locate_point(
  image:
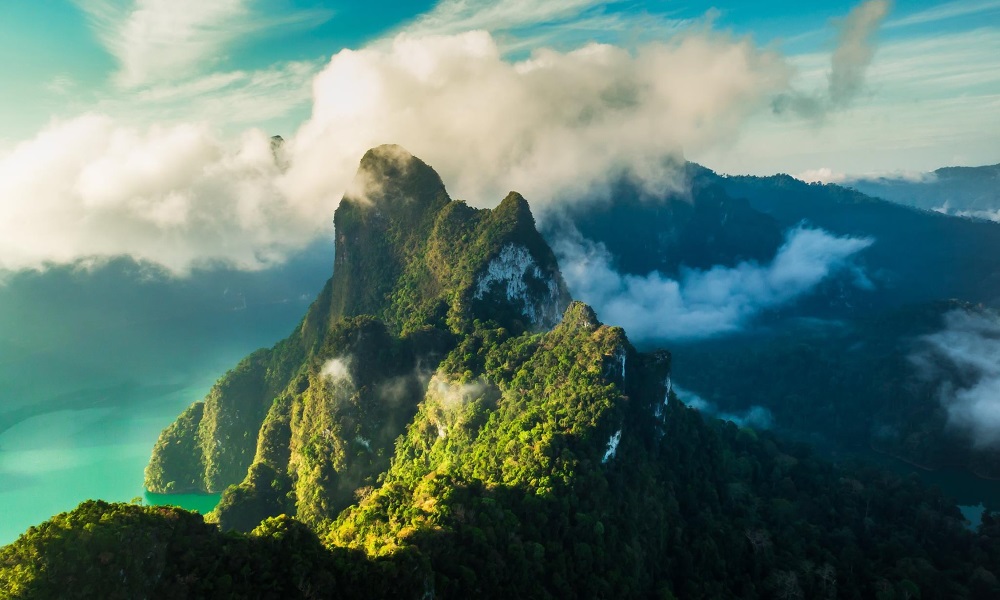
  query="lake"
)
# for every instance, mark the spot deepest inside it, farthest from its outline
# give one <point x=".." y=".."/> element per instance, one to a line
<point x="52" y="462"/>
<point x="95" y="363"/>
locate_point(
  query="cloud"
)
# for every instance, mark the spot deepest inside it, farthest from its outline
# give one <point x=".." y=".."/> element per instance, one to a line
<point x="985" y="215"/>
<point x="337" y="369"/>
<point x="176" y="196"/>
<point x="551" y="126"/>
<point x="757" y="417"/>
<point x="157" y="40"/>
<point x="821" y="175"/>
<point x="60" y="85"/>
<point x="702" y="303"/>
<point x="849" y="64"/>
<point x="555" y="126"/>
<point x="855" y="50"/>
<point x="522" y="25"/>
<point x="933" y="102"/>
<point x="965" y="356"/>
<point x="451" y="394"/>
<point x="446" y="397"/>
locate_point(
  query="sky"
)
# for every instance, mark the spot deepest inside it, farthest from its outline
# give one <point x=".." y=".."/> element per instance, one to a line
<point x="142" y="127"/>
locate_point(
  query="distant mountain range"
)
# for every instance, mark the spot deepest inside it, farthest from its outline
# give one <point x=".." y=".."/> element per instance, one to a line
<point x="845" y="364"/>
<point x="963" y="191"/>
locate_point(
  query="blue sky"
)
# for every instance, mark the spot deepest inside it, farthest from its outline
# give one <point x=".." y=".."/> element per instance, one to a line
<point x="147" y="120"/>
<point x="58" y="60"/>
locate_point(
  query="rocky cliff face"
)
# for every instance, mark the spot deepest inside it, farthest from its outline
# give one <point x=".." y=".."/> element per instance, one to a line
<point x="414" y="272"/>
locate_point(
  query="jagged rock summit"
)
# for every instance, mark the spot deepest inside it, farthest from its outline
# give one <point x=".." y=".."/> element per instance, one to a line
<point x="407" y="253"/>
<point x="414" y="270"/>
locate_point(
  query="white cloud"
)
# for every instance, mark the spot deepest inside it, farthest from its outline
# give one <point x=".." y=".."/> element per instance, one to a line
<point x="702" y="303"/>
<point x="931" y="101"/>
<point x="60" y="85"/>
<point x="821" y="175"/>
<point x="849" y="64"/>
<point x="966" y="354"/>
<point x="337" y="370"/>
<point x="454" y="16"/>
<point x="855" y="50"/>
<point x="522" y="25"/>
<point x="177" y="196"/>
<point x="553" y="125"/>
<point x="155" y="40"/>
<point x="985" y="215"/>
<point x="757" y="417"/>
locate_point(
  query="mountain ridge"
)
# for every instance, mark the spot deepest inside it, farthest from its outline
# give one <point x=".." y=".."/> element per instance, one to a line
<point x="463" y="442"/>
<point x="422" y="264"/>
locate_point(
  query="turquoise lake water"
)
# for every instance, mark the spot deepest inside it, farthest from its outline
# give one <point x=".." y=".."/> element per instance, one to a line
<point x="94" y="364"/>
<point x="52" y="462"/>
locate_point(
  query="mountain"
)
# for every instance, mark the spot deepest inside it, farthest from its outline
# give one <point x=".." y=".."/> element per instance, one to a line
<point x="412" y="268"/>
<point x="963" y="191"/>
<point x="446" y="423"/>
<point x="836" y="366"/>
<point x="698" y="229"/>
<point x="918" y="256"/>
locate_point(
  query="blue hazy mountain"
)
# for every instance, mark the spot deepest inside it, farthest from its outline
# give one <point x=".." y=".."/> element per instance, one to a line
<point x="963" y="191"/>
<point x="846" y="365"/>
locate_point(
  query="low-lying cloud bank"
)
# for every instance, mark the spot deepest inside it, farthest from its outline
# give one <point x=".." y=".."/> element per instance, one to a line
<point x="757" y="417"/>
<point x="552" y="127"/>
<point x="338" y="370"/>
<point x="983" y="215"/>
<point x="965" y="356"/>
<point x="704" y="303"/>
<point x="555" y="126"/>
<point x="177" y="196"/>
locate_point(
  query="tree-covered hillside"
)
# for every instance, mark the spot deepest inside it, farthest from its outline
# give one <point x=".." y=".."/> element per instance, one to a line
<point x="836" y="365"/>
<point x="425" y="267"/>
<point x="463" y="431"/>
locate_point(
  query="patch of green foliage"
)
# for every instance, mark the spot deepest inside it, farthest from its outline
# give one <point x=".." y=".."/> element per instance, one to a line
<point x="124" y="551"/>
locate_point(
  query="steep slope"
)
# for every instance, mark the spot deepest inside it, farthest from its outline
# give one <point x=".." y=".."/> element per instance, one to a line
<point x="561" y="465"/>
<point x="555" y="465"/>
<point x="846" y="386"/>
<point x="920" y="263"/>
<point x="423" y="268"/>
<point x="485" y="443"/>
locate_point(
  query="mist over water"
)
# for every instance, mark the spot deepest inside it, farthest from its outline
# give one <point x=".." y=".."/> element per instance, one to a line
<point x="95" y="363"/>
